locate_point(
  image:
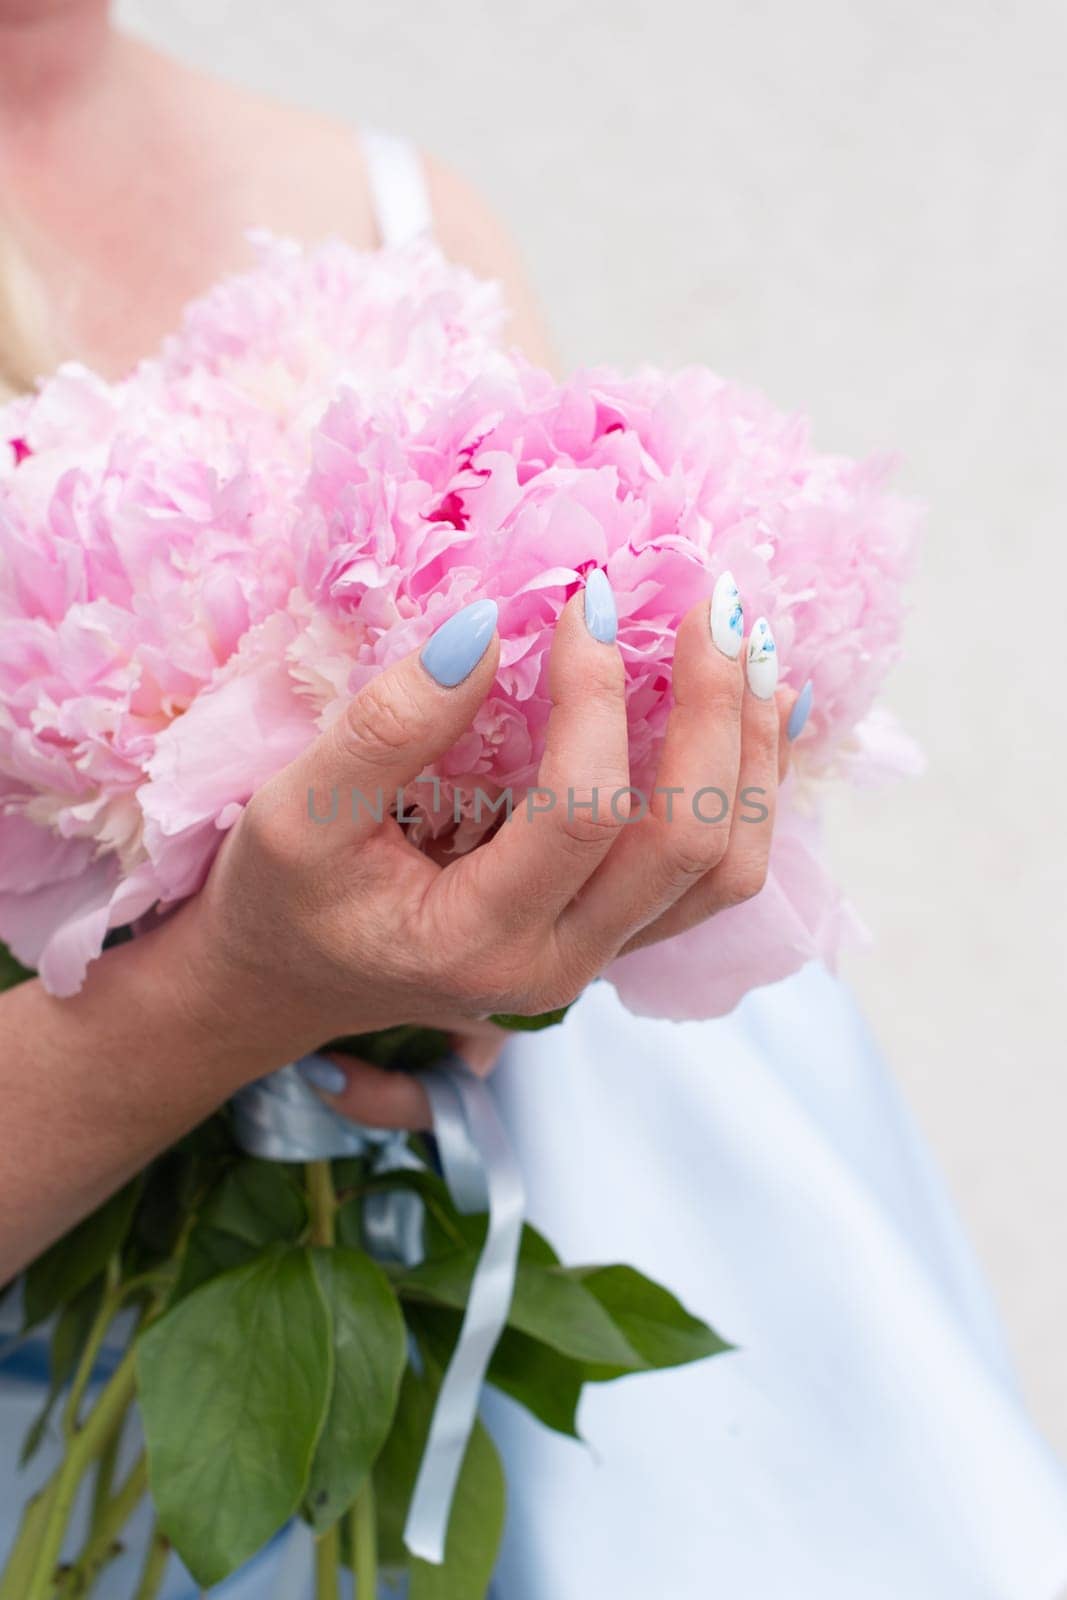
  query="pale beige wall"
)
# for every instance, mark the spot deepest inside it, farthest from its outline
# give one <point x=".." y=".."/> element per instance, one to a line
<point x="858" y="204"/>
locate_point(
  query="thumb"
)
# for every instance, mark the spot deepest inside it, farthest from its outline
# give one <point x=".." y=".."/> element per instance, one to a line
<point x="398" y="724"/>
<point x="385" y="1097"/>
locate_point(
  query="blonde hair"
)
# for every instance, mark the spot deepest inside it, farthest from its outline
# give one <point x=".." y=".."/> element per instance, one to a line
<point x="25" y="345"/>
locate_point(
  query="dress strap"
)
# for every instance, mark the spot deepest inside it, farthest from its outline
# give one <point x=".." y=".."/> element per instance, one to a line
<point x="399" y="193"/>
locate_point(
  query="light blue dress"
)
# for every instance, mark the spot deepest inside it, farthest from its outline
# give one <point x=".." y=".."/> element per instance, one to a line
<point x="865" y="1441"/>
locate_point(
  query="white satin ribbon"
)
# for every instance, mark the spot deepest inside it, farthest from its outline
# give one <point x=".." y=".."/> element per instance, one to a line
<point x="282" y="1118"/>
<point x="482" y="1174"/>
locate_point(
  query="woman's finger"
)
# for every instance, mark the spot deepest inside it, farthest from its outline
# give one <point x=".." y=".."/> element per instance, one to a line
<point x="397" y="724"/>
<point x="794" y="709"/>
<point x="556" y="838"/>
<point x="785" y="700"/>
<point x="685" y="830"/>
<point x="742" y="871"/>
<point x="366" y="1093"/>
<point x="480" y="1047"/>
<point x="390" y="1097"/>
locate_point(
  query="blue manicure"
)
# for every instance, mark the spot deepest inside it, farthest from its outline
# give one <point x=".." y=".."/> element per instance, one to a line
<point x="800" y="713"/>
<point x="452" y="653"/>
<point x="322" y="1074"/>
<point x="601" y="617"/>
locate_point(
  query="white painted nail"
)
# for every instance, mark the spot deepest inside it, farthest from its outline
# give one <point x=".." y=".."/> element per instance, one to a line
<point x="727" y="616"/>
<point x="762" y="660"/>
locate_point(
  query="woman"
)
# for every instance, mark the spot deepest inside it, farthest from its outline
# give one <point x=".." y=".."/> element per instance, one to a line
<point x="129" y="182"/>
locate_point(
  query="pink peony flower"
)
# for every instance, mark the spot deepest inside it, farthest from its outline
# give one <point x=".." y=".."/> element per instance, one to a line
<point x="199" y="565"/>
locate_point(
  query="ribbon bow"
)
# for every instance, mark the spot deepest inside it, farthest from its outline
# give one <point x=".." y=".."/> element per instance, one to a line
<point x="281" y="1118"/>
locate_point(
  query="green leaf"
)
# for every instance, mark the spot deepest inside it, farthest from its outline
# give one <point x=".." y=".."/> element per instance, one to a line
<point x="370" y="1354"/>
<point x="174" y="1186"/>
<point x="467" y="1232"/>
<point x="517" y="1024"/>
<point x="651" y="1320"/>
<point x="12" y="972"/>
<point x="447" y="1230"/>
<point x="534" y="1248"/>
<point x="161" y="1212"/>
<point x="442" y="1218"/>
<point x="547" y="1384"/>
<point x="406" y="1048"/>
<point x="257" y="1203"/>
<point x="234" y="1383"/>
<point x="477" y="1520"/>
<point x="658" y="1331"/>
<point x="549" y="1304"/>
<point x="73" y="1261"/>
<point x="349" y="1173"/>
<point x="212" y="1141"/>
<point x="207" y="1255"/>
<point x="68" y="1340"/>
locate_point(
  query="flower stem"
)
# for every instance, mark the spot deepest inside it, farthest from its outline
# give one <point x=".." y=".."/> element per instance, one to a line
<point x="322" y="1202"/>
<point x="328" y="1565"/>
<point x="102" y="1543"/>
<point x="322" y="1208"/>
<point x="103" y="1482"/>
<point x="109" y="1304"/>
<point x="363" y="1528"/>
<point x="155" y="1566"/>
<point x="82" y="1449"/>
<point x="20" y="1562"/>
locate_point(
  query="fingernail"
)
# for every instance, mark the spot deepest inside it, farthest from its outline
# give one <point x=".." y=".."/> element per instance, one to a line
<point x="762" y="660"/>
<point x="601" y="617"/>
<point x="800" y="713"/>
<point x="322" y="1074"/>
<point x="452" y="653"/>
<point x="727" y="616"/>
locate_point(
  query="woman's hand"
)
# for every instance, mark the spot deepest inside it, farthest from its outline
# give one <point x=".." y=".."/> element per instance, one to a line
<point x="308" y="930"/>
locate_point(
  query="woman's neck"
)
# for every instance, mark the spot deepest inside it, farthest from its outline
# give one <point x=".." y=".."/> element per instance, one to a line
<point x="51" y="52"/>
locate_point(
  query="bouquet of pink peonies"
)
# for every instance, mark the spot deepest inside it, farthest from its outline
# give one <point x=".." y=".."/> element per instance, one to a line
<point x="199" y="566"/>
<point x="331" y="457"/>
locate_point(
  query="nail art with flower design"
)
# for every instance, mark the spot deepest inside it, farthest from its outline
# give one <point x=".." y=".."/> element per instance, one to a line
<point x="762" y="660"/>
<point x="727" y="616"/>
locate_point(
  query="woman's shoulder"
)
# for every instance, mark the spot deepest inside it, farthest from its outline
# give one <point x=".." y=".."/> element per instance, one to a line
<point x="304" y="173"/>
<point x="275" y="164"/>
<point x="470" y="230"/>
